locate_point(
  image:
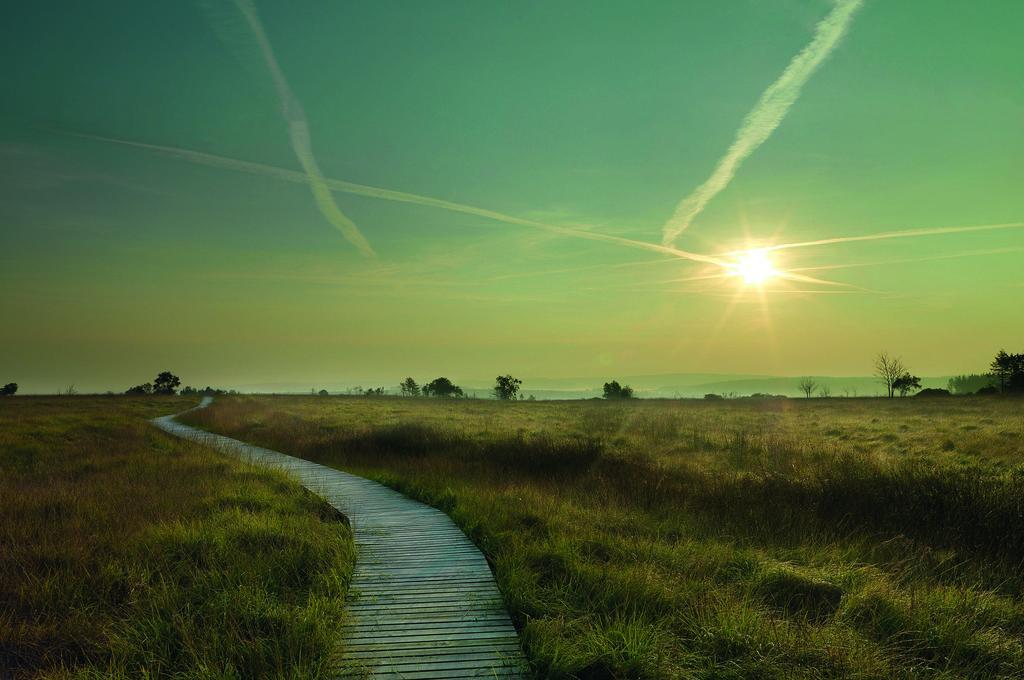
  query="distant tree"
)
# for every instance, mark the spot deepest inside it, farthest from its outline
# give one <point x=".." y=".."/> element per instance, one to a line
<point x="188" y="391"/>
<point x="613" y="390"/>
<point x="968" y="384"/>
<point x="144" y="388"/>
<point x="442" y="387"/>
<point x="531" y="398"/>
<point x="506" y="387"/>
<point x="70" y="390"/>
<point x="374" y="392"/>
<point x="825" y="391"/>
<point x="906" y="383"/>
<point x="8" y="390"/>
<point x="409" y="388"/>
<point x="889" y="369"/>
<point x="323" y="393"/>
<point x="1008" y="371"/>
<point x="1017" y="373"/>
<point x="807" y="386"/>
<point x="166" y="383"/>
<point x="1001" y="368"/>
<point x="714" y="397"/>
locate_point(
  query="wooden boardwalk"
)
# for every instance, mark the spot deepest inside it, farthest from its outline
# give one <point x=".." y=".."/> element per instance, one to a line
<point x="423" y="602"/>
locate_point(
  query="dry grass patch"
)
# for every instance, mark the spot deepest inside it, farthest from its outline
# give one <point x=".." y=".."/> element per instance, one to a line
<point x="129" y="553"/>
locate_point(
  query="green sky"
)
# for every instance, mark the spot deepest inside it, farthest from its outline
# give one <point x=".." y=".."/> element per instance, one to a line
<point x="117" y="262"/>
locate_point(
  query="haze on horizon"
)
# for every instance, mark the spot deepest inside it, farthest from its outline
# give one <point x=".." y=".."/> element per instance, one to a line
<point x="562" y="139"/>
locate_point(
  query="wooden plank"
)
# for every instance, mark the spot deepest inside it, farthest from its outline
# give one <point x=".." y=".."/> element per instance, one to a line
<point x="423" y="602"/>
<point x="490" y="651"/>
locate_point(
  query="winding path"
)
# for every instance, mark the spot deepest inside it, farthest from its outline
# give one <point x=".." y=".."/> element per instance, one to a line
<point x="423" y="602"/>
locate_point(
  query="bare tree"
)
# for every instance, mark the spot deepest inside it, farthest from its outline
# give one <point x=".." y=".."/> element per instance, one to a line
<point x="825" y="391"/>
<point x="888" y="370"/>
<point x="807" y="386"/>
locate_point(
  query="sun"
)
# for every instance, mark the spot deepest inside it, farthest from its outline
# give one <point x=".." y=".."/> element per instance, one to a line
<point x="754" y="267"/>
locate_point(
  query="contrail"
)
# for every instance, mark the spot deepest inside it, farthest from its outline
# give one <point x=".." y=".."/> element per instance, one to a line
<point x="766" y="115"/>
<point x="908" y="233"/>
<point x="725" y="260"/>
<point x="910" y="260"/>
<point x="298" y="135"/>
<point x="401" y="197"/>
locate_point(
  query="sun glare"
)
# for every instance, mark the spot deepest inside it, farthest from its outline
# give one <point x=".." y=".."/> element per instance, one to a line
<point x="755" y="268"/>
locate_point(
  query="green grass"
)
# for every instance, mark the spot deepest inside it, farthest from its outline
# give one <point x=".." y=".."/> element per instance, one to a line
<point x="660" y="539"/>
<point x="128" y="553"/>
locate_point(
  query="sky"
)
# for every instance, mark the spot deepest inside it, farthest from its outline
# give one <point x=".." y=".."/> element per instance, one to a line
<point x="619" y="153"/>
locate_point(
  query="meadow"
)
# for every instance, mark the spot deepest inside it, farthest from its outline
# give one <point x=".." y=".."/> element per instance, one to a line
<point x="853" y="538"/>
<point x="127" y="553"/>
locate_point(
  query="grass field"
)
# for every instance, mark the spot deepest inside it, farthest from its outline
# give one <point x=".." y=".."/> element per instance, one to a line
<point x="127" y="553"/>
<point x="738" y="539"/>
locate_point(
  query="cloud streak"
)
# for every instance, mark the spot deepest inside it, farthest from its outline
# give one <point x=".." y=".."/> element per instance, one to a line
<point x="907" y="233"/>
<point x="766" y="116"/>
<point x="299" y="137"/>
<point x="725" y="260"/>
<point x="403" y="197"/>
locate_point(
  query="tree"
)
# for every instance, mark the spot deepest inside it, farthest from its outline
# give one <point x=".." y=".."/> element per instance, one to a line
<point x="825" y="391"/>
<point x="807" y="386"/>
<point x="968" y="384"/>
<point x="888" y="369"/>
<point x="906" y="383"/>
<point x="374" y="392"/>
<point x="1000" y="367"/>
<point x="144" y="388"/>
<point x="613" y="390"/>
<point x="8" y="390"/>
<point x="323" y="393"/>
<point x="442" y="387"/>
<point x="166" y="383"/>
<point x="409" y="388"/>
<point x="506" y="387"/>
<point x="1008" y="371"/>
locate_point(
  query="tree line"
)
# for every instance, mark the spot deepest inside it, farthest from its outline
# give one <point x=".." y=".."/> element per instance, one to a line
<point x="166" y="383"/>
<point x="1005" y="376"/>
<point x="506" y="388"/>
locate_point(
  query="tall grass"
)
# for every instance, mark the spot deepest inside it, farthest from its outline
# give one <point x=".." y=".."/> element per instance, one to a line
<point x="813" y="539"/>
<point x="128" y="553"/>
